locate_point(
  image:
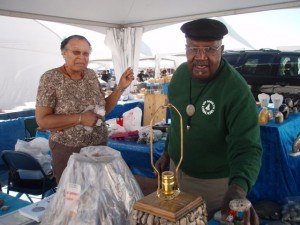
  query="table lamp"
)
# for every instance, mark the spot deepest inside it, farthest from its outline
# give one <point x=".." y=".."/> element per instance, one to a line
<point x="169" y="205"/>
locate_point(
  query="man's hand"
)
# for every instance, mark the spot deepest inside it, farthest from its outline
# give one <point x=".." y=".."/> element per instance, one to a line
<point x="236" y="192"/>
<point x="163" y="162"/>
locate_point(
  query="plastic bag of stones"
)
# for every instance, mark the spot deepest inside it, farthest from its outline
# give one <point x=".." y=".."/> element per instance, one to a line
<point x="291" y="210"/>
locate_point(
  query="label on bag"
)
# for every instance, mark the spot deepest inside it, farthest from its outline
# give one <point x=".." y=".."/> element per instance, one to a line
<point x="72" y="198"/>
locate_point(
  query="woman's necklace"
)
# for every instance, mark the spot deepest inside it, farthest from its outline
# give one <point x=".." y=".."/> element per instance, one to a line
<point x="66" y="72"/>
<point x="190" y="109"/>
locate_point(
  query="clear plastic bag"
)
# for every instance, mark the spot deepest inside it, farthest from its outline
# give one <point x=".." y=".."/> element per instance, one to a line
<point x="96" y="188"/>
<point x="39" y="149"/>
<point x="144" y="135"/>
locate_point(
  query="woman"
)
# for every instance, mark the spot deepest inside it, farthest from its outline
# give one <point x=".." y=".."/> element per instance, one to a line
<point x="67" y="101"/>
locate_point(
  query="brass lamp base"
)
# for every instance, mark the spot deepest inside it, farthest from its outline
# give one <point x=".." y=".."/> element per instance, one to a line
<point x="172" y="210"/>
<point x="162" y="196"/>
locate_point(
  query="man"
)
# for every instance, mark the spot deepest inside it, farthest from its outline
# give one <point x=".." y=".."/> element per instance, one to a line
<point x="141" y="76"/>
<point x="105" y="76"/>
<point x="222" y="149"/>
<point x="108" y="74"/>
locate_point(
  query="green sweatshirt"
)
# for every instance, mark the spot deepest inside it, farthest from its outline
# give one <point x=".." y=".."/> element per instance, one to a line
<point x="224" y="136"/>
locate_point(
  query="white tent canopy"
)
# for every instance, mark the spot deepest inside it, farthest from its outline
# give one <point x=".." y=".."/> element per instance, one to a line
<point x="102" y="14"/>
<point x="125" y="46"/>
<point x="23" y="57"/>
<point x="108" y="17"/>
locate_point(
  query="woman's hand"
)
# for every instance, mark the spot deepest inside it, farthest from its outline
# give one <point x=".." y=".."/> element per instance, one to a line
<point x="126" y="78"/>
<point x="90" y="118"/>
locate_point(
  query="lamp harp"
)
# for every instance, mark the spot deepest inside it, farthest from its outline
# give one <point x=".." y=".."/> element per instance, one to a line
<point x="169" y="203"/>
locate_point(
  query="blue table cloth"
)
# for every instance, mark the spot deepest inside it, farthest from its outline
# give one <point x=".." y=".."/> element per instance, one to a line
<point x="279" y="176"/>
<point x="13" y="203"/>
<point x="137" y="156"/>
<point x="124" y="106"/>
<point x="17" y="114"/>
<point x="214" y="222"/>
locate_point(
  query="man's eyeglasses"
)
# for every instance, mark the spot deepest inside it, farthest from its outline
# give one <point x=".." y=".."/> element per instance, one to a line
<point x="209" y="51"/>
<point x="78" y="53"/>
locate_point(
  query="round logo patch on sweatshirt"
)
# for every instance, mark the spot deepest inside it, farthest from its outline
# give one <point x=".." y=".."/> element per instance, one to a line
<point x="208" y="107"/>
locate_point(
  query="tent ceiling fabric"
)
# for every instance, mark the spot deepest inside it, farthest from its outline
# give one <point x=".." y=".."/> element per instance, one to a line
<point x="24" y="59"/>
<point x="101" y="16"/>
<point x="131" y="13"/>
<point x="125" y="46"/>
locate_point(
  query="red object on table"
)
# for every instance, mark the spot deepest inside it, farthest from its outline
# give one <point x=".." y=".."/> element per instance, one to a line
<point x="124" y="134"/>
<point x="231" y="215"/>
<point x="119" y="121"/>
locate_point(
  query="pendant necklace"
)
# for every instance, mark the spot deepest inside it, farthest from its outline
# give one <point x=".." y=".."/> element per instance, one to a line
<point x="190" y="108"/>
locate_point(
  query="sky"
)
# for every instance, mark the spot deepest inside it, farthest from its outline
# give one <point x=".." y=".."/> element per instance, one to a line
<point x="269" y="29"/>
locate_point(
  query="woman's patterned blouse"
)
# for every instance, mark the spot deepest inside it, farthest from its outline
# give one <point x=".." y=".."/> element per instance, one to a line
<point x="67" y="96"/>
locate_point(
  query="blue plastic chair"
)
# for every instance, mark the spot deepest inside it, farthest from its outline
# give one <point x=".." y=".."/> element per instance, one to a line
<point x="36" y="182"/>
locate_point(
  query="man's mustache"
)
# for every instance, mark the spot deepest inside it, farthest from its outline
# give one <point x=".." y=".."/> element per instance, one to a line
<point x="200" y="63"/>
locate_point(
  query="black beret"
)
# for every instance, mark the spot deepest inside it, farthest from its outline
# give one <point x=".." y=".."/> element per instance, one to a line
<point x="204" y="29"/>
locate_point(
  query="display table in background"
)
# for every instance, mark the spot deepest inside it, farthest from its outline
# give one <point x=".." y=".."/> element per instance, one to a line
<point x="12" y="216"/>
<point x="214" y="222"/>
<point x="124" y="106"/>
<point x="279" y="175"/>
<point x="13" y="129"/>
<point x="13" y="203"/>
<point x="137" y="156"/>
<point x="17" y="114"/>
